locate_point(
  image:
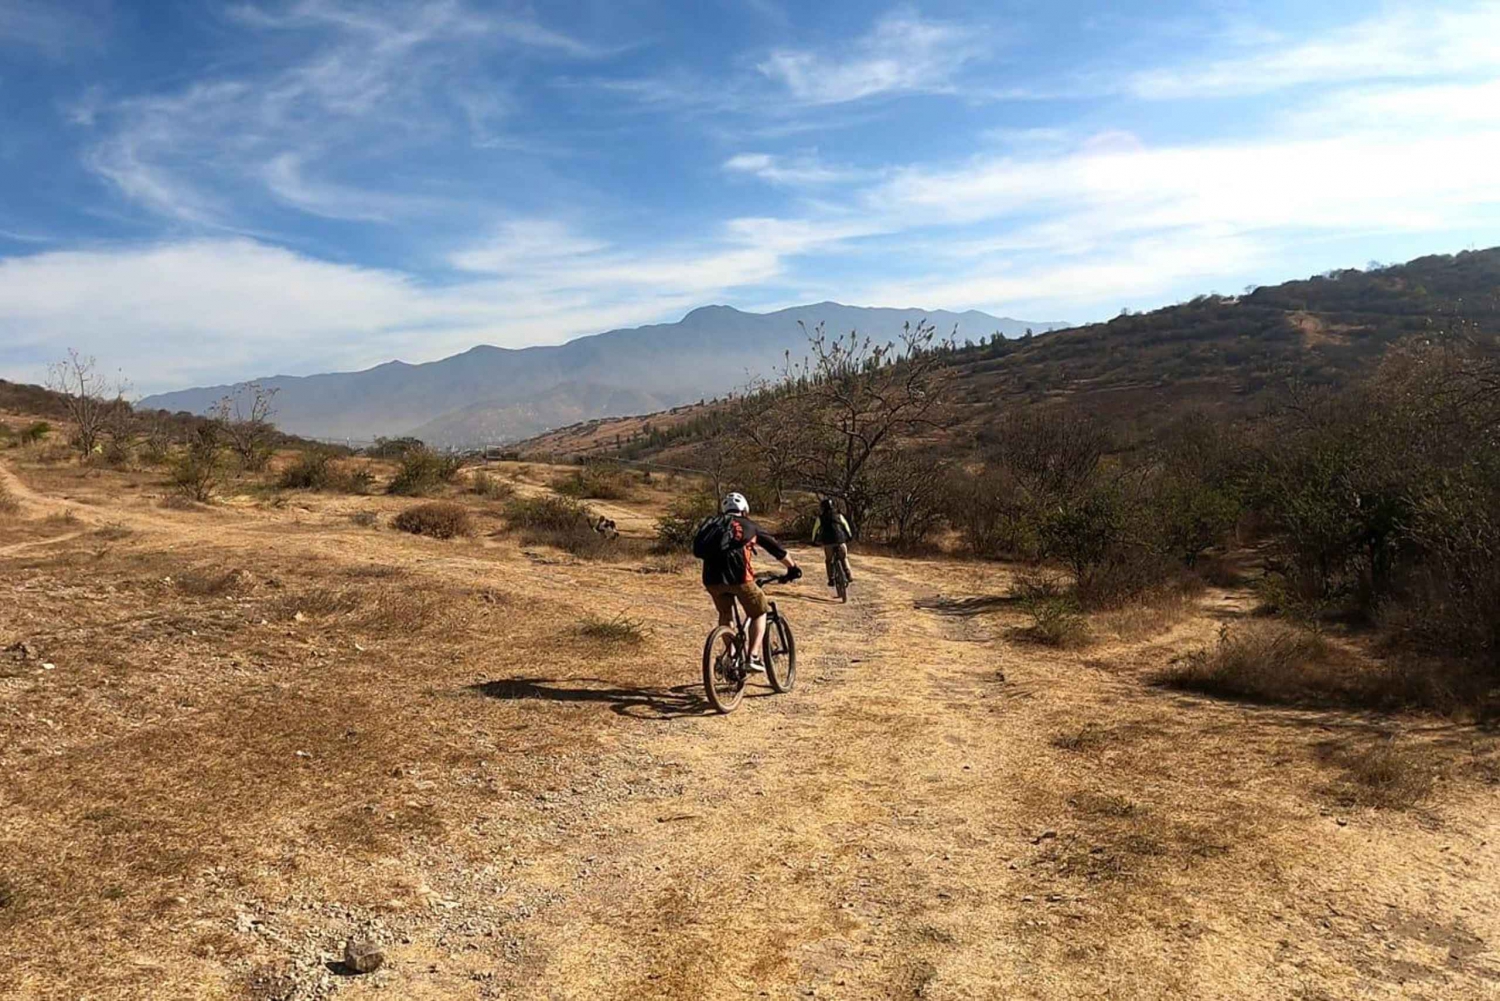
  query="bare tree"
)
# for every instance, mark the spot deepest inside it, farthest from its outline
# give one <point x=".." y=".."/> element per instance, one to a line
<point x="909" y="490"/>
<point x="244" y="416"/>
<point x="90" y="398"/>
<point x="854" y="402"/>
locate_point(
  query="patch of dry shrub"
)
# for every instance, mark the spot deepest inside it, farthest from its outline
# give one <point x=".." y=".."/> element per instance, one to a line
<point x="596" y="482"/>
<point x="437" y="520"/>
<point x="9" y="506"/>
<point x="1264" y="662"/>
<point x="1382" y="776"/>
<point x="620" y="630"/>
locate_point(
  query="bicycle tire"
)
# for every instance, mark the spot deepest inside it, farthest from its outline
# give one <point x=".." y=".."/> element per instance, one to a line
<point x="781" y="655"/>
<point x="724" y="693"/>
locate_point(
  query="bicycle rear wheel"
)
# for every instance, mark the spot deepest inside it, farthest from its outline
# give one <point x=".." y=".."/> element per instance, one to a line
<point x="781" y="655"/>
<point x="723" y="677"/>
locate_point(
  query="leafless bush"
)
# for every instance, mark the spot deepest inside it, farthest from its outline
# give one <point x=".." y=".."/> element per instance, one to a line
<point x="90" y="398"/>
<point x="199" y="471"/>
<point x="9" y="506"/>
<point x="244" y="418"/>
<point x="365" y="519"/>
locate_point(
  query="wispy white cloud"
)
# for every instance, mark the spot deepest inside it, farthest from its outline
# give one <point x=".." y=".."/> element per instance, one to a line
<point x="801" y="170"/>
<point x="903" y="53"/>
<point x="376" y="77"/>
<point x="1418" y="41"/>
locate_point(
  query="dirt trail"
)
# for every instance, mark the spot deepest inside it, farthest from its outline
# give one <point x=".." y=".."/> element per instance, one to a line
<point x="938" y="811"/>
<point x="901" y="826"/>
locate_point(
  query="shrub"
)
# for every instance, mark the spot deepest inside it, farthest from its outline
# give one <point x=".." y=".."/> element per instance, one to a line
<point x="596" y="482"/>
<point x="675" y="529"/>
<point x="198" y="472"/>
<point x="558" y="522"/>
<point x="393" y="448"/>
<point x="1056" y="619"/>
<point x="8" y="504"/>
<point x="437" y="520"/>
<point x="35" y="432"/>
<point x="365" y="519"/>
<point x="1280" y="664"/>
<point x="490" y="488"/>
<point x="423" y="471"/>
<point x="316" y="470"/>
<point x="546" y="513"/>
<point x="1384" y="776"/>
<point x="312" y="470"/>
<point x="358" y="480"/>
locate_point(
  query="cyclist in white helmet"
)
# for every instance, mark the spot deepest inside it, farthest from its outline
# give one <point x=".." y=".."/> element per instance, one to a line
<point x="726" y="545"/>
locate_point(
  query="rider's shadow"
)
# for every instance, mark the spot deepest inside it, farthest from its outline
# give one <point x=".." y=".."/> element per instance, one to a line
<point x="637" y="703"/>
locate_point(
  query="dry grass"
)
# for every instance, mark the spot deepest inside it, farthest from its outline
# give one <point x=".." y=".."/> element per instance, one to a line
<point x="528" y="800"/>
<point x="436" y="519"/>
<point x="1146" y="617"/>
<point x="617" y="631"/>
<point x="365" y="519"/>
<point x="1278" y="663"/>
<point x="490" y="487"/>
<point x="9" y="506"/>
<point x="1383" y="775"/>
<point x="596" y="483"/>
<point x="1262" y="661"/>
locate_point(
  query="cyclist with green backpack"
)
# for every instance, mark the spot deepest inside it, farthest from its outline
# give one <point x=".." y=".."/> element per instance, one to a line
<point x="831" y="531"/>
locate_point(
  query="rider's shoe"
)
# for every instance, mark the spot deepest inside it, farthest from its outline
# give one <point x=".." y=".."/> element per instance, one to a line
<point x="753" y="666"/>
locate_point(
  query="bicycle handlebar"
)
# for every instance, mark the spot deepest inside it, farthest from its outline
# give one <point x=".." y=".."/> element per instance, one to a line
<point x="762" y="579"/>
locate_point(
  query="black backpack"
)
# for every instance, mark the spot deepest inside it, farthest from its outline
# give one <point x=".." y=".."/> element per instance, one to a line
<point x="716" y="536"/>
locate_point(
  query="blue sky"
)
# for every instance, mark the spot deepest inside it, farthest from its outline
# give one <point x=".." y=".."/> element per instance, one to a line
<point x="201" y="192"/>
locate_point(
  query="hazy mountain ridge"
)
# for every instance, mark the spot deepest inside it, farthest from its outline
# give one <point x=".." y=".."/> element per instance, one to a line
<point x="711" y="350"/>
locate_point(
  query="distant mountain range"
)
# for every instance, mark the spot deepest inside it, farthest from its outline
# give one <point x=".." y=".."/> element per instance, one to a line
<point x="490" y="395"/>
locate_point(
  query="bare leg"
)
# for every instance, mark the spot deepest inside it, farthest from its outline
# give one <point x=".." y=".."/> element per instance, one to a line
<point x="844" y="562"/>
<point x="757" y="635"/>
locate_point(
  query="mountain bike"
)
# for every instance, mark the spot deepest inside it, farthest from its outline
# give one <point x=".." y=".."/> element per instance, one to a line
<point x="840" y="581"/>
<point x="724" y="654"/>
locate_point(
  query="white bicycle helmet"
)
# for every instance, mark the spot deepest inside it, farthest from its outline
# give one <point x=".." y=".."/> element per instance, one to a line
<point x="735" y="503"/>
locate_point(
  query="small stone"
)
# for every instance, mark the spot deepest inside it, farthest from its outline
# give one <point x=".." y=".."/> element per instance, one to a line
<point x="363" y="956"/>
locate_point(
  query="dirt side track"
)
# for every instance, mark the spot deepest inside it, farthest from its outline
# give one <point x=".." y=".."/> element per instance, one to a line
<point x="262" y="731"/>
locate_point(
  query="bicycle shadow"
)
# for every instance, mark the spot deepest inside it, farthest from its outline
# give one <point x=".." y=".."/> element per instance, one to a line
<point x="636" y="703"/>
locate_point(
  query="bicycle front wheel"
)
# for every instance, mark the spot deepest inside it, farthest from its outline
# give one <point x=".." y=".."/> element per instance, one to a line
<point x="781" y="655"/>
<point x="723" y="675"/>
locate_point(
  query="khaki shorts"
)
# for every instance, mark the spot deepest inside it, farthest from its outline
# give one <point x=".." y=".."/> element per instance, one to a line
<point x="752" y="599"/>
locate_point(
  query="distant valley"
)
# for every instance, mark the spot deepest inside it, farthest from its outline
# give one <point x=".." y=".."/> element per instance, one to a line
<point x="490" y="394"/>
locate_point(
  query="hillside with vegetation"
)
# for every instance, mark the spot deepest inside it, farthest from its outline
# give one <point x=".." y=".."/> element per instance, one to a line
<point x="1220" y="352"/>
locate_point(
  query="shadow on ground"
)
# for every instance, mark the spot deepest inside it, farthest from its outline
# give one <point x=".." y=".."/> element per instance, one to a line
<point x="979" y="605"/>
<point x="639" y="703"/>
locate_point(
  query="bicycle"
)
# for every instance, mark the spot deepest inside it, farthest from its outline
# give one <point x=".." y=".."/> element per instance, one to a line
<point x="840" y="581"/>
<point x="724" y="654"/>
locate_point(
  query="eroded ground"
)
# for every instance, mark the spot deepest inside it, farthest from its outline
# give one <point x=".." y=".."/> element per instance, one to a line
<point x="236" y="736"/>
